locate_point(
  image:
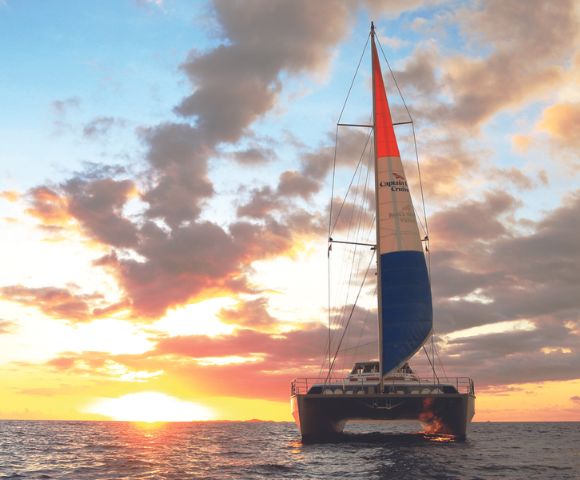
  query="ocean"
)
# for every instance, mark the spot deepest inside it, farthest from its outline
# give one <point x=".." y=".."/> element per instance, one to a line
<point x="268" y="450"/>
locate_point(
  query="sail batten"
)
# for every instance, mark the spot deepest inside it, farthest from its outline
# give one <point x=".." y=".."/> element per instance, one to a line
<point x="405" y="304"/>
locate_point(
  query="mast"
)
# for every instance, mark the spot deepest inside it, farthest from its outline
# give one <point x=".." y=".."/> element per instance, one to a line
<point x="377" y="248"/>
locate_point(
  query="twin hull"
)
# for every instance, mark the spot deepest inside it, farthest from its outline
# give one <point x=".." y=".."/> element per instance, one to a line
<point x="321" y="416"/>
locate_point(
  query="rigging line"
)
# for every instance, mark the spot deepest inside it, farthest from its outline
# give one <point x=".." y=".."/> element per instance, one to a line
<point x="360" y="213"/>
<point x="354" y="78"/>
<point x="336" y="133"/>
<point x="350" y="316"/>
<point x="342" y="318"/>
<point x="331" y="230"/>
<point x="354" y="252"/>
<point x="363" y="330"/>
<point x="430" y="362"/>
<point x="359" y="345"/>
<point x="440" y="360"/>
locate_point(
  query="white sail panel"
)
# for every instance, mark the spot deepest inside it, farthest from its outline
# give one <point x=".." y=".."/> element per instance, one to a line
<point x="398" y="229"/>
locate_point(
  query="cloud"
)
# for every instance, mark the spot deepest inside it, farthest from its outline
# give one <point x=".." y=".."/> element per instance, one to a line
<point x="251" y="314"/>
<point x="6" y="327"/>
<point x="393" y="8"/>
<point x="178" y="155"/>
<point x="98" y="206"/>
<point x="485" y="274"/>
<point x="61" y="107"/>
<point x="55" y="302"/>
<point x="166" y="249"/>
<point x="147" y="3"/>
<point x="294" y="183"/>
<point x="164" y="254"/>
<point x="10" y="195"/>
<point x="100" y="126"/>
<point x="575" y="399"/>
<point x="473" y="221"/>
<point x="562" y="122"/>
<point x="48" y="206"/>
<point x="254" y="156"/>
<point x="419" y="72"/>
<point x="527" y="57"/>
<point x="237" y="83"/>
<point x="262" y="202"/>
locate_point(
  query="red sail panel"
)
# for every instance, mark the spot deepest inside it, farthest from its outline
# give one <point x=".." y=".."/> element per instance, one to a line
<point x="386" y="142"/>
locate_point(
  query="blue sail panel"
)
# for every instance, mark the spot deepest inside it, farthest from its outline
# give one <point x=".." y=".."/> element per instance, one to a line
<point x="407" y="310"/>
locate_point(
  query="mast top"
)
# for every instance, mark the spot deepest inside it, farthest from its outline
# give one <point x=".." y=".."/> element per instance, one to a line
<point x="372" y="28"/>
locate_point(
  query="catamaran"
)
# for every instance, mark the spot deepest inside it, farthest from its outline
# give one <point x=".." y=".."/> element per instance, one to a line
<point x="387" y="388"/>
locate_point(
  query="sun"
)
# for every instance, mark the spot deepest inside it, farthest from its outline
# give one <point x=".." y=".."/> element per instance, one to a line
<point x="150" y="407"/>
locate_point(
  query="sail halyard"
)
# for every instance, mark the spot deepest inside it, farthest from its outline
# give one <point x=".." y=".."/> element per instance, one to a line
<point x="404" y="292"/>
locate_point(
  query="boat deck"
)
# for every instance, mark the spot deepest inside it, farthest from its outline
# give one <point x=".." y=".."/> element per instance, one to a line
<point x="322" y="407"/>
<point x="395" y="386"/>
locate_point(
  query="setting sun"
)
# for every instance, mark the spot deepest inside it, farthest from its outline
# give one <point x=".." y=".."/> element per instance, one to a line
<point x="150" y="407"/>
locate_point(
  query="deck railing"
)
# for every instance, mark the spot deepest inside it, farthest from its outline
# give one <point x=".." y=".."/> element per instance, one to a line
<point x="344" y="385"/>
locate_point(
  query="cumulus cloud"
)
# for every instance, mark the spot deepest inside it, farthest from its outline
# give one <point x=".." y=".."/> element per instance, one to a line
<point x="485" y="274"/>
<point x="97" y="205"/>
<point x="236" y="83"/>
<point x="48" y="206"/>
<point x="250" y="314"/>
<point x="55" y="302"/>
<point x="562" y="122"/>
<point x="522" y="64"/>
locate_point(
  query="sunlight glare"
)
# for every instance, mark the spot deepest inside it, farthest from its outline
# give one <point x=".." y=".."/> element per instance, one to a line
<point x="150" y="407"/>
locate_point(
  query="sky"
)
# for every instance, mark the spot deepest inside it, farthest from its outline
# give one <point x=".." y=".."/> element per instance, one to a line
<point x="165" y="185"/>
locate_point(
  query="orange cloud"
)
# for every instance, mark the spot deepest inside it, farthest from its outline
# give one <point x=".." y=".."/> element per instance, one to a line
<point x="521" y="143"/>
<point x="562" y="122"/>
<point x="10" y="195"/>
<point x="59" y="303"/>
<point x="49" y="207"/>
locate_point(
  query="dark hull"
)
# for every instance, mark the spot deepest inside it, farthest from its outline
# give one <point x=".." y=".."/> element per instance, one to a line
<point x="322" y="416"/>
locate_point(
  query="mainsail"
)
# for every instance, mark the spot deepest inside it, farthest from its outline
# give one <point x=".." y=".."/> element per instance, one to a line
<point x="404" y="293"/>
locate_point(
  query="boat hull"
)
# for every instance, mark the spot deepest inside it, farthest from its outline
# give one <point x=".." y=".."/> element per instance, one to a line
<point x="323" y="416"/>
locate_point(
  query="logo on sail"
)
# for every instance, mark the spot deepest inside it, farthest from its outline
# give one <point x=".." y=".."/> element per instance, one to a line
<point x="397" y="184"/>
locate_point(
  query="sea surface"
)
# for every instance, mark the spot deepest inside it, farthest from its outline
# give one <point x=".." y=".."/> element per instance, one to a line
<point x="264" y="450"/>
